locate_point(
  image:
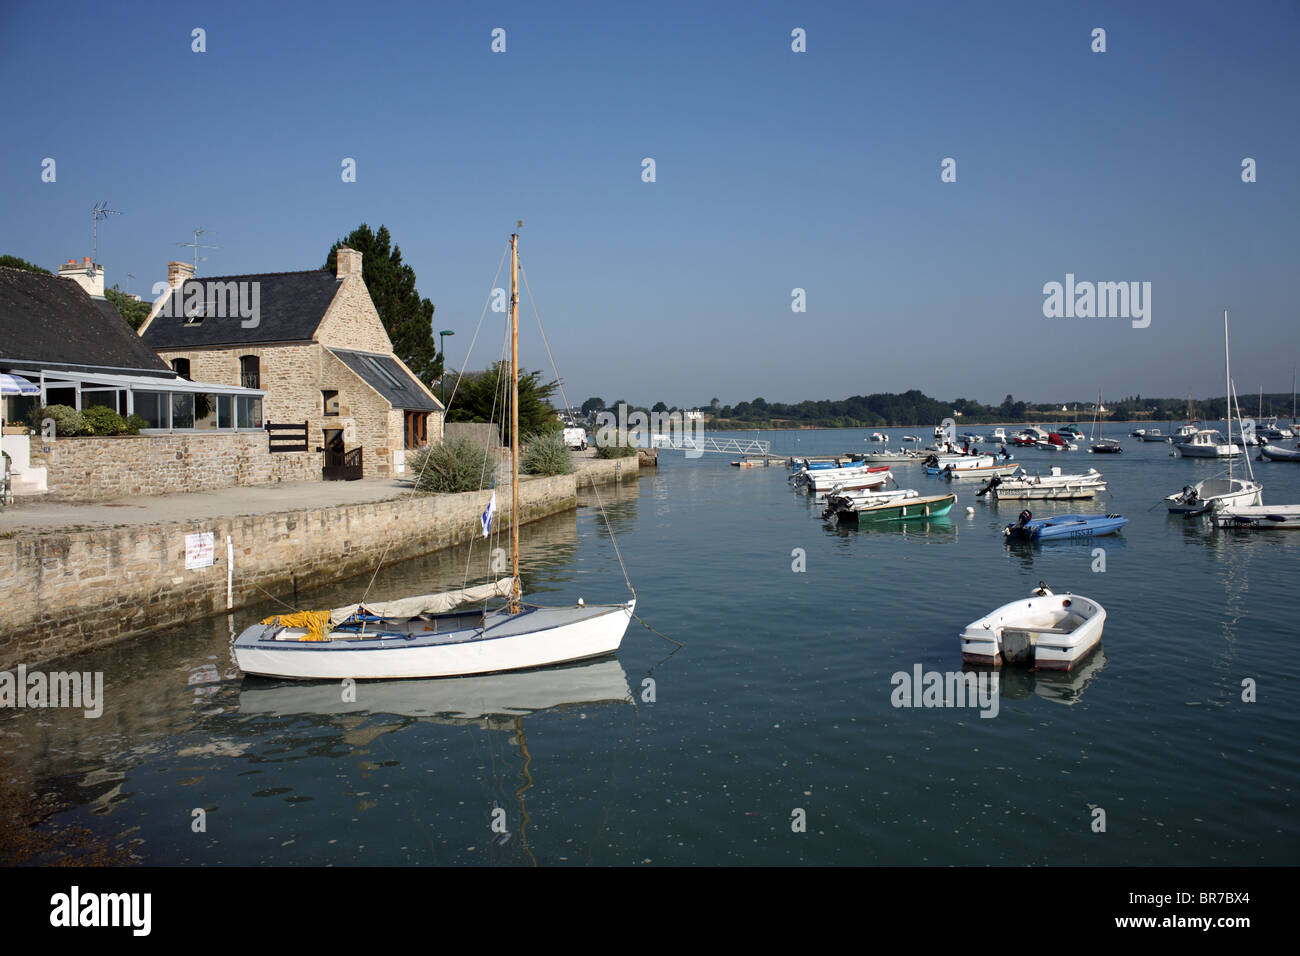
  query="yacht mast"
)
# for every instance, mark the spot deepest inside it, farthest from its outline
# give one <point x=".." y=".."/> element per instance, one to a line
<point x="514" y="420"/>
<point x="1227" y="374"/>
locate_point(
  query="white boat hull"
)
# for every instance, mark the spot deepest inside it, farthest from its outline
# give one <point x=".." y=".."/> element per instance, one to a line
<point x="1258" y="517"/>
<point x="1052" y="632"/>
<point x="537" y="637"/>
<point x="857" y="481"/>
<point x="1213" y="494"/>
<point x="969" y="474"/>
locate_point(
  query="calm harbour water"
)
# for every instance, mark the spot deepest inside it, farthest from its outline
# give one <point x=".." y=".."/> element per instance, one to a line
<point x="781" y="699"/>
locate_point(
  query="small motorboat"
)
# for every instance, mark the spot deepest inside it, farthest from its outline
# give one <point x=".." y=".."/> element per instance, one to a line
<point x="1137" y="433"/>
<point x="842" y="500"/>
<point x="938" y="464"/>
<point x="1213" y="494"/>
<point x="904" y="509"/>
<point x="999" y="435"/>
<point x="1071" y="433"/>
<point x="902" y="456"/>
<point x="1105" y="446"/>
<point x="1207" y="443"/>
<point x="878" y="437"/>
<point x="1063" y="526"/>
<point x="911" y="439"/>
<point x="1056" y="486"/>
<point x="1046" y="630"/>
<point x="953" y="473"/>
<point x="1057" y="442"/>
<point x="820" y="482"/>
<point x="1030" y="436"/>
<point x="1152" y="434"/>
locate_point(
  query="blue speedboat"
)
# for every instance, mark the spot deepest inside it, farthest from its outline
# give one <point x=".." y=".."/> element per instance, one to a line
<point x="1064" y="526"/>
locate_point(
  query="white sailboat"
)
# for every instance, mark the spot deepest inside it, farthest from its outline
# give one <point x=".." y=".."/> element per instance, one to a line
<point x="1219" y="491"/>
<point x="1257" y="516"/>
<point x="425" y="636"/>
<point x="1102" y="446"/>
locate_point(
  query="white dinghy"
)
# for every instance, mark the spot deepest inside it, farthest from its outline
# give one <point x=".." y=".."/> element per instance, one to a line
<point x="1051" y="631"/>
<point x="424" y="636"/>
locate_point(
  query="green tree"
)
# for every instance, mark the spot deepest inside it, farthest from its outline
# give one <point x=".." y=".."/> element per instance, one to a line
<point x="593" y="405"/>
<point x="14" y="262"/>
<point x="133" y="310"/>
<point x="483" y="396"/>
<point x="659" y="407"/>
<point x="407" y="318"/>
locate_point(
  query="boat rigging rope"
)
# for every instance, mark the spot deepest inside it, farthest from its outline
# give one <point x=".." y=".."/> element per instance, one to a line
<point x="492" y="417"/>
<point x="560" y="381"/>
<point x="415" y="488"/>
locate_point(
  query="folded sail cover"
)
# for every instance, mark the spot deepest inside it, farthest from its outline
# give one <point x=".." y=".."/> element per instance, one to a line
<point x="407" y="608"/>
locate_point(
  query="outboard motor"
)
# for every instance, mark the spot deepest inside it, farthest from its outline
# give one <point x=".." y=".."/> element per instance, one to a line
<point x="992" y="483"/>
<point x="1022" y="521"/>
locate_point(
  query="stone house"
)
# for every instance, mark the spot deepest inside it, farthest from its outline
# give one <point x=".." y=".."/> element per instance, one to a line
<point x="314" y="344"/>
<point x="63" y="343"/>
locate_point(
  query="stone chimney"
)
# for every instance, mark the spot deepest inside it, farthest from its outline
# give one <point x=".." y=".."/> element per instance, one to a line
<point x="349" y="262"/>
<point x="179" y="272"/>
<point x="86" y="274"/>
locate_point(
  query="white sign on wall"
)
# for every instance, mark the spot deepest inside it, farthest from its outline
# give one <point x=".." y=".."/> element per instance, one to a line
<point x="199" y="549"/>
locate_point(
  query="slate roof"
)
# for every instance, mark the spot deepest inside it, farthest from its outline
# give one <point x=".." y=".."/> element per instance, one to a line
<point x="406" y="394"/>
<point x="291" y="306"/>
<point x="53" y="322"/>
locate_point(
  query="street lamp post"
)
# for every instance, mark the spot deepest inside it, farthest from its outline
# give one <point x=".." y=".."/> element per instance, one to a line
<point x="442" y="382"/>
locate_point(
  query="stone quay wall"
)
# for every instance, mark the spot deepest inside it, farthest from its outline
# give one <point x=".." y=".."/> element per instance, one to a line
<point x="97" y="469"/>
<point x="66" y="593"/>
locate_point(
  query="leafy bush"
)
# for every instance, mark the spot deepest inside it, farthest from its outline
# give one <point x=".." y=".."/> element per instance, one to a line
<point x="452" y="465"/>
<point x="67" y="420"/>
<point x="134" y="423"/>
<point x="547" y="455"/>
<point x="620" y="447"/>
<point x="103" y="421"/>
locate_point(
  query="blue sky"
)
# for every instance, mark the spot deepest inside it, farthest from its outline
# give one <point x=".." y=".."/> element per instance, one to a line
<point x="775" y="170"/>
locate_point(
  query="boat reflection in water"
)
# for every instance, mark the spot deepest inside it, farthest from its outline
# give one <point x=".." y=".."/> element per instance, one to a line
<point x="1059" y="687"/>
<point x="920" y="528"/>
<point x="1024" y="551"/>
<point x="493" y="700"/>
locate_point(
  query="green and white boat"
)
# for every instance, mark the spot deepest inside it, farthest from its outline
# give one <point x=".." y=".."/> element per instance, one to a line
<point x="906" y="509"/>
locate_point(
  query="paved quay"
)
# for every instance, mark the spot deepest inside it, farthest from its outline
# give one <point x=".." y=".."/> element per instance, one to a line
<point x="60" y="516"/>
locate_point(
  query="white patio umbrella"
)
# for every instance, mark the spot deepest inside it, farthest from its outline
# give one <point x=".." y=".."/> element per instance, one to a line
<point x="15" y="385"/>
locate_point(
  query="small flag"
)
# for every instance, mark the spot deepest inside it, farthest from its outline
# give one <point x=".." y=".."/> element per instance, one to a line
<point x="487" y="514"/>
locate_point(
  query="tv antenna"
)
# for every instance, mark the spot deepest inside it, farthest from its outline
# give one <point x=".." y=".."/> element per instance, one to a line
<point x="196" y="246"/>
<point x="101" y="211"/>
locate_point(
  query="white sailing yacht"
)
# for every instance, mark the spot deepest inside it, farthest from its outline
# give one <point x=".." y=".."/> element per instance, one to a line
<point x="1102" y="446"/>
<point x="1257" y="516"/>
<point x="425" y="636"/>
<point x="1214" y="493"/>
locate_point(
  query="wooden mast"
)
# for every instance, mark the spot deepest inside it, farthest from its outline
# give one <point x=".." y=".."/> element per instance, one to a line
<point x="514" y="420"/>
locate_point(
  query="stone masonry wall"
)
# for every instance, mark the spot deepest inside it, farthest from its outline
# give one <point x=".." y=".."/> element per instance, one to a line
<point x="94" y="469"/>
<point x="352" y="322"/>
<point x="66" y="593"/>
